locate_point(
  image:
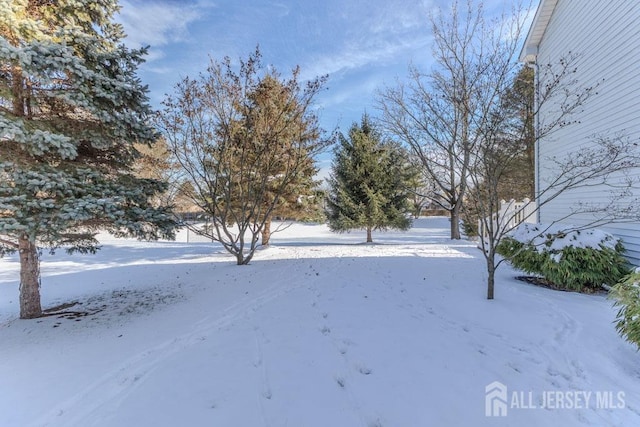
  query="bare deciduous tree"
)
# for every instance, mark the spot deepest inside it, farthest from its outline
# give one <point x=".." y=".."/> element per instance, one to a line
<point x="441" y="115"/>
<point x="244" y="140"/>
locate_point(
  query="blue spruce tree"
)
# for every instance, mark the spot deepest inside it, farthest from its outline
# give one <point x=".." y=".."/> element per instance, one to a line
<point x="71" y="109"/>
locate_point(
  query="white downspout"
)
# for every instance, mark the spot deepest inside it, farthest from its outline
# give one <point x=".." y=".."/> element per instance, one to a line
<point x="536" y="130"/>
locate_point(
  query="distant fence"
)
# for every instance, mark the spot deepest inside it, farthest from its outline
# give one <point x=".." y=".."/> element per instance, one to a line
<point x="510" y="215"/>
<point x="434" y="212"/>
<point x="193" y="217"/>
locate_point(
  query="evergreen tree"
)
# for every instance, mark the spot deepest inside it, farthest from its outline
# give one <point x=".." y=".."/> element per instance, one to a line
<point x="155" y="162"/>
<point x="369" y="183"/>
<point x="518" y="180"/>
<point x="71" y="108"/>
<point x="274" y="117"/>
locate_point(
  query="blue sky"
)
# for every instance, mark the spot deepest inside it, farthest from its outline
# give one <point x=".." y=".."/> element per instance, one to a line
<point x="361" y="44"/>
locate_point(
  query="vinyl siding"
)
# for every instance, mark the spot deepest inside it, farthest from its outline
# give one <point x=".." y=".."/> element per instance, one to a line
<point x="606" y="36"/>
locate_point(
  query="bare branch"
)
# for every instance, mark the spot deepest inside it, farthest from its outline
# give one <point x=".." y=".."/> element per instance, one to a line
<point x="443" y="116"/>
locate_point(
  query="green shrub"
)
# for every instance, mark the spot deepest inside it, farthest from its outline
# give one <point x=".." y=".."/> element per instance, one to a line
<point x="627" y="297"/>
<point x="470" y="227"/>
<point x="522" y="256"/>
<point x="572" y="260"/>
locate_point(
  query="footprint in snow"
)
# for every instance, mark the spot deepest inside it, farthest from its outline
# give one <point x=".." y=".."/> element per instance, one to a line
<point x="343" y="347"/>
<point x="363" y="369"/>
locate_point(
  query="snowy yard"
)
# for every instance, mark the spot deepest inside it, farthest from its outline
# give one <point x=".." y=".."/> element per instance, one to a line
<point x="319" y="330"/>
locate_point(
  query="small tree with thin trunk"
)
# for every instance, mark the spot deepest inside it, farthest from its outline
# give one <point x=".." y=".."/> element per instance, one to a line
<point x="608" y="161"/>
<point x="507" y="139"/>
<point x="245" y="141"/>
<point x="369" y="186"/>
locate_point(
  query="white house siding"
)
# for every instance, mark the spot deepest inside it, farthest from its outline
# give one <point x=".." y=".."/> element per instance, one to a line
<point x="606" y="35"/>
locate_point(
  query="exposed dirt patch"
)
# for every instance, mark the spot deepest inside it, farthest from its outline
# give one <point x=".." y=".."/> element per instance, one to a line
<point x="114" y="304"/>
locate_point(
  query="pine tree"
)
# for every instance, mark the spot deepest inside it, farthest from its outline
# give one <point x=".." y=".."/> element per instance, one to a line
<point x="368" y="183"/>
<point x="518" y="180"/>
<point x="299" y="201"/>
<point x="71" y="108"/>
<point x="274" y="117"/>
<point x="155" y="162"/>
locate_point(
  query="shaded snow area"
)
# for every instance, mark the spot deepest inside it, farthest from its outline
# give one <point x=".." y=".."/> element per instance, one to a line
<point x="320" y="330"/>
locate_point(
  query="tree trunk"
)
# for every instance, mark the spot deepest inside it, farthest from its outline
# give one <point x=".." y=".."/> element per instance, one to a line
<point x="266" y="232"/>
<point x="491" y="273"/>
<point x="30" y="307"/>
<point x="18" y="91"/>
<point x="240" y="259"/>
<point x="369" y="238"/>
<point x="455" y="222"/>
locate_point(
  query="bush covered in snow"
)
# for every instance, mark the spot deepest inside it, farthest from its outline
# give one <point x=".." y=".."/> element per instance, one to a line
<point x="627" y="297"/>
<point x="577" y="260"/>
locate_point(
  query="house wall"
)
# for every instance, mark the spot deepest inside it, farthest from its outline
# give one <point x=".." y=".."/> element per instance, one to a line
<point x="606" y="36"/>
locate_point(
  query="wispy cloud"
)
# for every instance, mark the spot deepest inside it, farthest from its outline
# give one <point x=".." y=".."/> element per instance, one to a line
<point x="355" y="56"/>
<point x="371" y="36"/>
<point x="350" y="92"/>
<point x="157" y="23"/>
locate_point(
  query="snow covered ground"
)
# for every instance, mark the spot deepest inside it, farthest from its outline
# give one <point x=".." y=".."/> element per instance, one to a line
<point x="320" y="330"/>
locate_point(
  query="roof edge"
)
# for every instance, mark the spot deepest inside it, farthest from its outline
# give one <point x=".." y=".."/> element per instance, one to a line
<point x="536" y="31"/>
